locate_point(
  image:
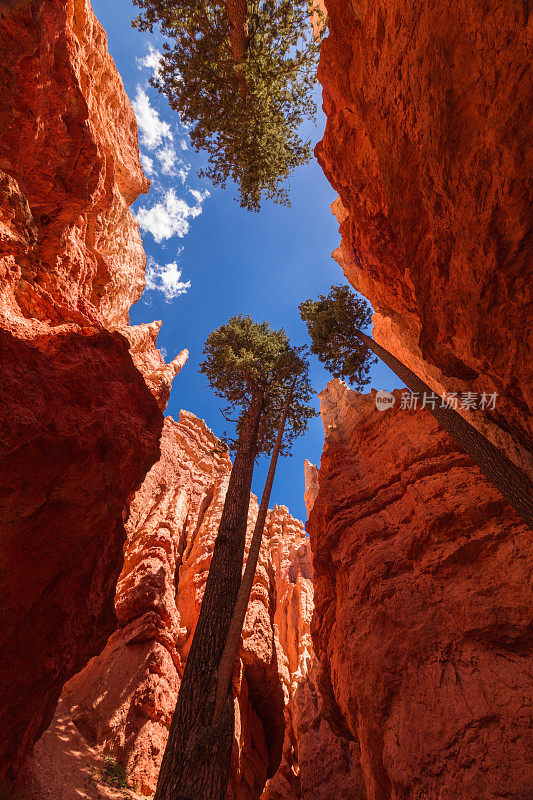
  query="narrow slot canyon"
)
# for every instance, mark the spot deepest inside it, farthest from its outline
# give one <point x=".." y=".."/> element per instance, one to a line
<point x="386" y="652"/>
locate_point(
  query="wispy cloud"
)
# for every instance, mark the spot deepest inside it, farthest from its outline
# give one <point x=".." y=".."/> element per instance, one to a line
<point x="167" y="158"/>
<point x="157" y="136"/>
<point x="164" y="159"/>
<point x="147" y="164"/>
<point x="154" y="130"/>
<point x="171" y="216"/>
<point x="200" y="197"/>
<point x="152" y="60"/>
<point x="183" y="171"/>
<point x="165" y="278"/>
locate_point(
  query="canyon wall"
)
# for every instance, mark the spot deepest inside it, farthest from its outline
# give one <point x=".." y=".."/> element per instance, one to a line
<point x="124" y="699"/>
<point x="79" y="423"/>
<point x="428" y="121"/>
<point x="422" y="618"/>
<point x="423" y="607"/>
<point x="317" y="764"/>
<point x="121" y="703"/>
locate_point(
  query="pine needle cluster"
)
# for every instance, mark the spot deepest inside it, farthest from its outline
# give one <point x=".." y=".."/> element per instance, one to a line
<point x="244" y="357"/>
<point x="333" y="321"/>
<point x="245" y="115"/>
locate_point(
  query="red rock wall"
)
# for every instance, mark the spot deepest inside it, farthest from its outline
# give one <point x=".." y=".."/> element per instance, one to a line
<point x="122" y="702"/>
<point x="79" y="426"/>
<point x="428" y="118"/>
<point x="422" y="607"/>
<point x="317" y="764"/>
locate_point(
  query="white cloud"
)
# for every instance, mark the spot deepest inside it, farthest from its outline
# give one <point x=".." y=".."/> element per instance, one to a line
<point x="183" y="171"/>
<point x="151" y="61"/>
<point x="165" y="278"/>
<point x="200" y="196"/>
<point x="147" y="164"/>
<point x="153" y="129"/>
<point x="170" y="217"/>
<point x="167" y="158"/>
<point x="183" y="144"/>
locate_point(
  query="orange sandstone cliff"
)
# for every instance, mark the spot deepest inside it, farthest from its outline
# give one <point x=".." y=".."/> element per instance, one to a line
<point x="79" y="423"/>
<point x="415" y="686"/>
<point x="429" y="120"/>
<point x="317" y="764"/>
<point x="121" y="704"/>
<point x="124" y="699"/>
<point x="422" y="619"/>
<point x="82" y="399"/>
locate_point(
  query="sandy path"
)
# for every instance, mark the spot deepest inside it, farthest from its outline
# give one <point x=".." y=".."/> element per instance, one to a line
<point x="64" y="767"/>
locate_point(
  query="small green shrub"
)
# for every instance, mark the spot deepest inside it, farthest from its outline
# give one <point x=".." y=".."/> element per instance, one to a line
<point x="113" y="774"/>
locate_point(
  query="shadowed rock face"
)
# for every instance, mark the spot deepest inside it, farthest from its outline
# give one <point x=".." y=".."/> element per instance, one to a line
<point x="79" y="424"/>
<point x="317" y="764"/>
<point x="428" y="114"/>
<point x="122" y="702"/>
<point x="422" y="607"/>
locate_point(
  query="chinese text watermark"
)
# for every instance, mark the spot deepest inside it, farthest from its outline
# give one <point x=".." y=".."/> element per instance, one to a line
<point x="485" y="401"/>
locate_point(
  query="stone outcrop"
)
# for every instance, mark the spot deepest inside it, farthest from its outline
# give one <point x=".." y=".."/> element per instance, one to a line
<point x="317" y="764"/>
<point x="422" y="607"/>
<point x="122" y="702"/>
<point x="79" y="424"/>
<point x="428" y="117"/>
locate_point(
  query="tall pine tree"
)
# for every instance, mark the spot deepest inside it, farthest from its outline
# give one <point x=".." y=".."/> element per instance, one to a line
<point x="253" y="368"/>
<point x="334" y="321"/>
<point x="241" y="75"/>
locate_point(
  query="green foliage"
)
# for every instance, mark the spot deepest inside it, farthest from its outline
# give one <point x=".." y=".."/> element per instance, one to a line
<point x="332" y="322"/>
<point x="244" y="358"/>
<point x="250" y="136"/>
<point x="113" y="774"/>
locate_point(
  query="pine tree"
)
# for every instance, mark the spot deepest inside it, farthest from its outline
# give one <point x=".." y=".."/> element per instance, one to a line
<point x="241" y="75"/>
<point x="333" y="323"/>
<point x="253" y="368"/>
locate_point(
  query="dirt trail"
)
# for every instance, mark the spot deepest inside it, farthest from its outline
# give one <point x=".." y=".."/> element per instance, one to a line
<point x="65" y="767"/>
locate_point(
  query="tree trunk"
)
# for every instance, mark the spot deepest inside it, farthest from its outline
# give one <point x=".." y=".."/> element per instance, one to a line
<point x="500" y="471"/>
<point x="197" y="757"/>
<point x="238" y="19"/>
<point x="233" y="640"/>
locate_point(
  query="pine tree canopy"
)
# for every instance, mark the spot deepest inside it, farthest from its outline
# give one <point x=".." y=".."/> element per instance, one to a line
<point x="244" y="99"/>
<point x="332" y="323"/>
<point x="243" y="357"/>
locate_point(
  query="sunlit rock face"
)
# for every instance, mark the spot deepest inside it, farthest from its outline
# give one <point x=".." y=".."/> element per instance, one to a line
<point x="80" y="425"/>
<point x="422" y="607"/>
<point x="122" y="702"/>
<point x="428" y="116"/>
<point x="317" y="764"/>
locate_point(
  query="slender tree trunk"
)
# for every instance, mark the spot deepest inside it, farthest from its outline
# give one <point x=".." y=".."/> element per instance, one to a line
<point x="238" y="19"/>
<point x="514" y="484"/>
<point x="225" y="670"/>
<point x="198" y="755"/>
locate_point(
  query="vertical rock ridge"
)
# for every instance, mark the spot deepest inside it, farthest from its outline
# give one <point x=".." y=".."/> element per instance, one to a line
<point x="80" y="424"/>
<point x="422" y="606"/>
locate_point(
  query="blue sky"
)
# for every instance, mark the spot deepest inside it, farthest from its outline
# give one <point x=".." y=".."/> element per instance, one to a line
<point x="235" y="262"/>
